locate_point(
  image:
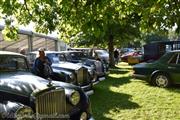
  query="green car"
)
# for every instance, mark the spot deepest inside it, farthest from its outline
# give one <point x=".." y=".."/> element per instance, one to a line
<point x="163" y="72"/>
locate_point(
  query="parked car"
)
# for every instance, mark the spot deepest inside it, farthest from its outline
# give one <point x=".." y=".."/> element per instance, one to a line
<point x="103" y="55"/>
<point x="79" y="75"/>
<point x="92" y="53"/>
<point x="79" y="58"/>
<point x="133" y="57"/>
<point x="163" y="72"/>
<point x="91" y="70"/>
<point x="126" y="50"/>
<point x="28" y="97"/>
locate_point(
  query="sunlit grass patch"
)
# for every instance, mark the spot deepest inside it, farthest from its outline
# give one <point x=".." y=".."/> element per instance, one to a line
<point x="120" y="97"/>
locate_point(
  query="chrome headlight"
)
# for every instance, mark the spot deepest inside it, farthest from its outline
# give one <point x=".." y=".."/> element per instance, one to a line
<point x="24" y="113"/>
<point x="90" y="72"/>
<point x="74" y="97"/>
<point x="72" y="76"/>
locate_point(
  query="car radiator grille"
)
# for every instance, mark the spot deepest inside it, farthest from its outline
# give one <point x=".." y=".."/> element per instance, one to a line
<point x="51" y="105"/>
<point x="99" y="66"/>
<point x="82" y="76"/>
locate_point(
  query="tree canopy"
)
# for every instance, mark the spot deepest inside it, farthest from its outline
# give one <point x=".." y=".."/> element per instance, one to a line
<point x="96" y="21"/>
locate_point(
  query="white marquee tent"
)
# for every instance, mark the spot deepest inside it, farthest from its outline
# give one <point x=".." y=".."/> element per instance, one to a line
<point x="31" y="41"/>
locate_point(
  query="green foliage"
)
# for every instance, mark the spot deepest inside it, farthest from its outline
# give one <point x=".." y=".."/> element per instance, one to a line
<point x="154" y="38"/>
<point x="96" y="19"/>
<point x="10" y="33"/>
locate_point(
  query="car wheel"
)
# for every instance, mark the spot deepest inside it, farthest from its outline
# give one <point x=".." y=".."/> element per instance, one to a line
<point x="161" y="80"/>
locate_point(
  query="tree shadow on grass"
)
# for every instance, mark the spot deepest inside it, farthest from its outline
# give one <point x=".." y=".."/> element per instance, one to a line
<point x="104" y="99"/>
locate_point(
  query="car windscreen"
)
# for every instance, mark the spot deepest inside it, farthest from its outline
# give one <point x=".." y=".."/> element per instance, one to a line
<point x="10" y="63"/>
<point x="102" y="52"/>
<point x="54" y="57"/>
<point x="77" y="55"/>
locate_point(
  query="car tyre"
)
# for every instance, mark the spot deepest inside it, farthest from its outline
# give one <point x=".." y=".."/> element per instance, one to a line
<point x="161" y="80"/>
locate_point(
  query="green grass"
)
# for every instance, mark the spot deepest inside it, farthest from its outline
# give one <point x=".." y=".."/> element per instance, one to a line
<point x="121" y="97"/>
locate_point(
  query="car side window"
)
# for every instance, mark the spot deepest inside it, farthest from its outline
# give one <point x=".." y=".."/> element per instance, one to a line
<point x="68" y="57"/>
<point x="62" y="58"/>
<point x="173" y="60"/>
<point x="12" y="63"/>
<point x="74" y="56"/>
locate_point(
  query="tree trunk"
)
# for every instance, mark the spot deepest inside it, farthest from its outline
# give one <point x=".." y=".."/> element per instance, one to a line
<point x="111" y="50"/>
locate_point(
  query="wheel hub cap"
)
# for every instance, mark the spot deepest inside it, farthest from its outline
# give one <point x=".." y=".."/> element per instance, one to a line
<point x="161" y="81"/>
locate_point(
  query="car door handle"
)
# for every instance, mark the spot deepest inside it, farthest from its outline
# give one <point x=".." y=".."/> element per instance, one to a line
<point x="171" y="67"/>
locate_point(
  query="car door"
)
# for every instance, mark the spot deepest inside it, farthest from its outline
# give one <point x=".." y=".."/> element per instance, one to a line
<point x="174" y="68"/>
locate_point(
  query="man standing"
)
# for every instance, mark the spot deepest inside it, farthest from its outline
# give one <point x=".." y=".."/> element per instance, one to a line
<point x="42" y="65"/>
<point x="116" y="56"/>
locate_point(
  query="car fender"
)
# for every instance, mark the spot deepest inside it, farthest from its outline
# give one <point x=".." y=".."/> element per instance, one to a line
<point x="158" y="71"/>
<point x="8" y="109"/>
<point x="63" y="74"/>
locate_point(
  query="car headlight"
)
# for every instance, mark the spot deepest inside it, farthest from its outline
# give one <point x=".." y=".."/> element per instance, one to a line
<point x="72" y="76"/>
<point x="90" y="72"/>
<point x="74" y="97"/>
<point x="24" y="113"/>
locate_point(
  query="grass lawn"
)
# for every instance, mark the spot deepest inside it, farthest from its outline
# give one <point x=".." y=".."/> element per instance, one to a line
<point x="120" y="97"/>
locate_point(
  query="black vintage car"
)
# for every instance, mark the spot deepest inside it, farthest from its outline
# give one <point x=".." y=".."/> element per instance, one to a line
<point x="78" y="75"/>
<point x="24" y="96"/>
<point x="92" y="53"/>
<point x="80" y="58"/>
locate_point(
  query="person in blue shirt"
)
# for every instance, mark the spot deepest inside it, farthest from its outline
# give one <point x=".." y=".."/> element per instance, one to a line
<point x="42" y="65"/>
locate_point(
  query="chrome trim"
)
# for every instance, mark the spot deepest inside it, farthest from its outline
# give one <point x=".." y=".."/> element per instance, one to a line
<point x="82" y="76"/>
<point x="50" y="103"/>
<point x="86" y="86"/>
<point x="101" y="78"/>
<point x="95" y="83"/>
<point x="139" y="76"/>
<point x="90" y="92"/>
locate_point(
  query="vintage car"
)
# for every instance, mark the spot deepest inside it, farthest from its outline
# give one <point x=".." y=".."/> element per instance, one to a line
<point x="79" y="75"/>
<point x="92" y="53"/>
<point x="102" y="54"/>
<point x="25" y="96"/>
<point x="163" y="72"/>
<point x="79" y="58"/>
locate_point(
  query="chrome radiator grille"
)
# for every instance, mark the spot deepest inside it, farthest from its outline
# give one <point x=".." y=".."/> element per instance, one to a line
<point x="51" y="105"/>
<point x="99" y="66"/>
<point x="82" y="76"/>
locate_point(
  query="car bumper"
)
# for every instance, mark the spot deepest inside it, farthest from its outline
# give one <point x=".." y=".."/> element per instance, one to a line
<point x="101" y="78"/>
<point x="90" y="92"/>
<point x="95" y="82"/>
<point x="88" y="89"/>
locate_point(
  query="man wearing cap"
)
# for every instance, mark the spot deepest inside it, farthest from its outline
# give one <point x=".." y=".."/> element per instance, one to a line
<point x="42" y="65"/>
